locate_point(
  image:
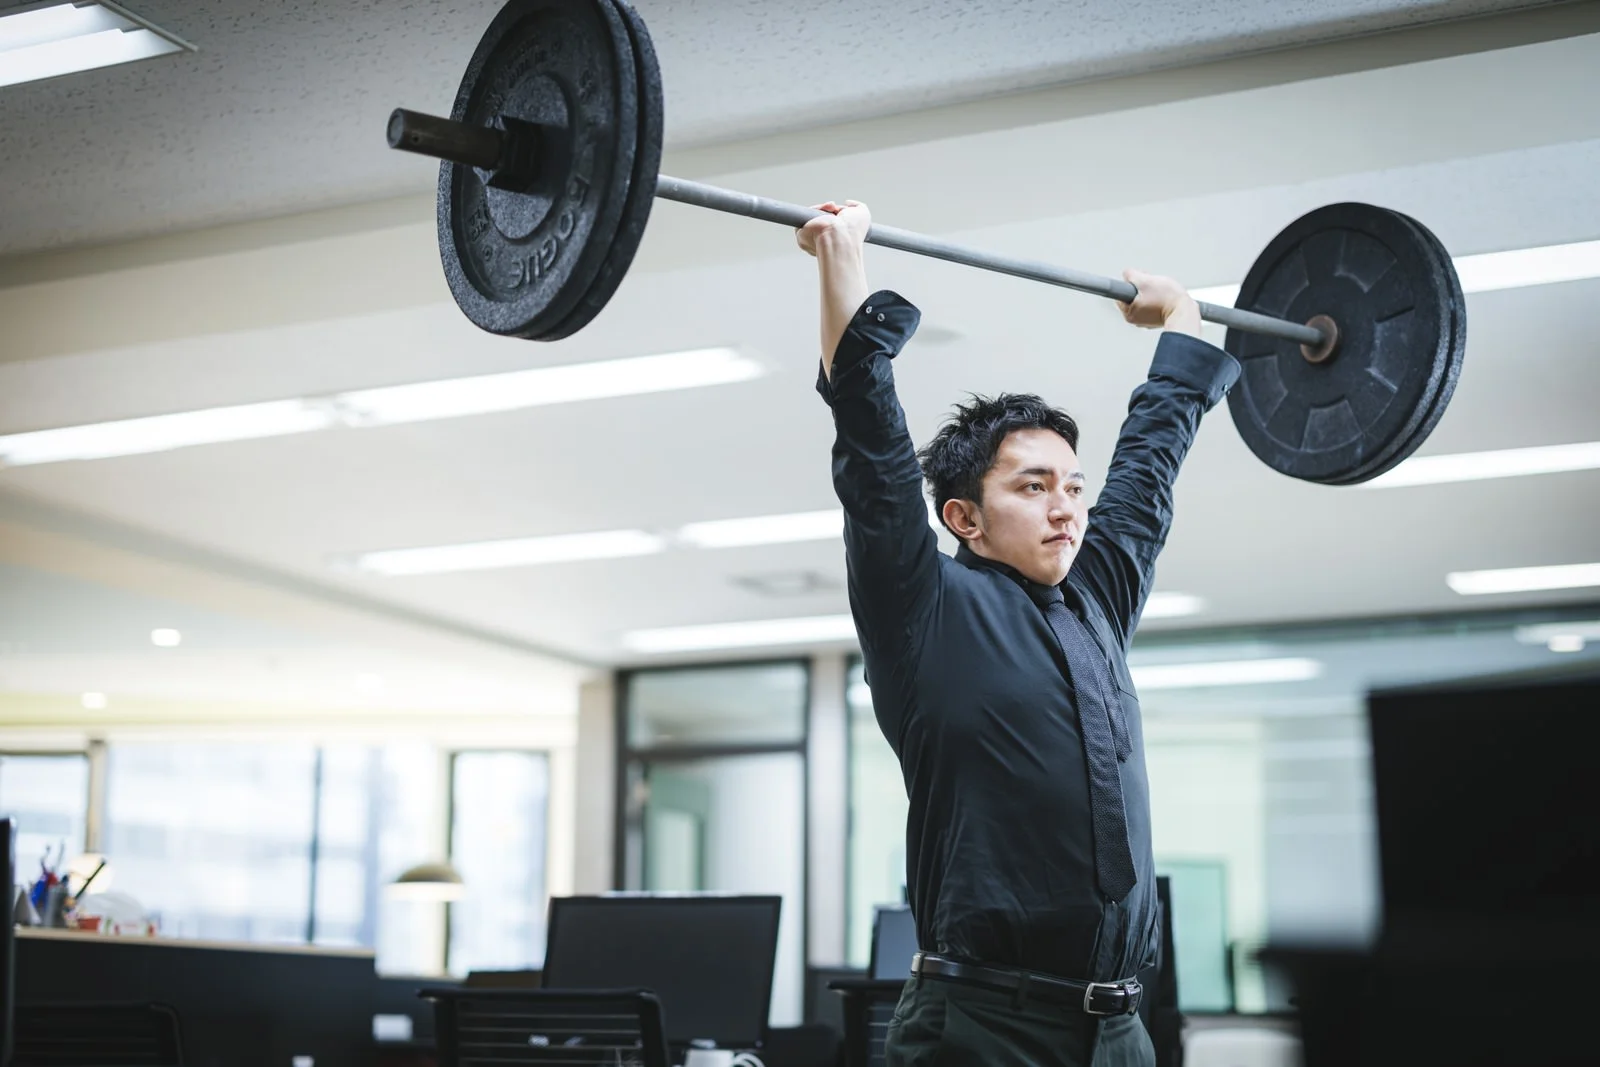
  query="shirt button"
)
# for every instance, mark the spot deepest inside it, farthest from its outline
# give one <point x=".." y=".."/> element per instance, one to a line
<point x="869" y="309"/>
<point x="880" y="317"/>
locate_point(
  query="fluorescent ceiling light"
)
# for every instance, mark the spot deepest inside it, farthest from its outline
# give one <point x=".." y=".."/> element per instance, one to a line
<point x="765" y="530"/>
<point x="488" y="393"/>
<point x="51" y="41"/>
<point x="1488" y="271"/>
<point x="1480" y="466"/>
<point x="1171" y="606"/>
<point x="376" y="407"/>
<point x="1565" y="643"/>
<point x="94" y="701"/>
<point x="159" y="433"/>
<point x="522" y="552"/>
<point x="166" y="638"/>
<point x="1236" y="672"/>
<point x="1529" y="266"/>
<point x="814" y="629"/>
<point x="1524" y="579"/>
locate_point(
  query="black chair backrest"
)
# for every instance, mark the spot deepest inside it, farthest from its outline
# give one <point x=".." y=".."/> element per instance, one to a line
<point x="515" y="1026"/>
<point x="868" y="1006"/>
<point x="97" y="1035"/>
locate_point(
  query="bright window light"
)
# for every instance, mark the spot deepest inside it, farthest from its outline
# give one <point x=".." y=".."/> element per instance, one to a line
<point x="165" y="638"/>
<point x="1236" y="672"/>
<point x="377" y="407"/>
<point x="94" y="701"/>
<point x="160" y="433"/>
<point x="488" y="393"/>
<point x="1480" y="466"/>
<point x="810" y="630"/>
<point x="523" y="552"/>
<point x="1524" y="579"/>
<point x="1488" y="271"/>
<point x="765" y="530"/>
<point x="51" y="41"/>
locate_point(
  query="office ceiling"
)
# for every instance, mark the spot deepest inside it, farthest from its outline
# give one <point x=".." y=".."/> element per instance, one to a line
<point x="282" y="105"/>
<point x="1193" y="141"/>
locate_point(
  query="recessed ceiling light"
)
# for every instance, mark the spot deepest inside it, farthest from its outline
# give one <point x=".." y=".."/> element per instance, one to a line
<point x="94" y="701"/>
<point x="813" y="629"/>
<point x="166" y="638"/>
<point x="449" y="398"/>
<point x="1480" y="466"/>
<point x="521" y="552"/>
<point x="49" y="41"/>
<point x="1524" y="579"/>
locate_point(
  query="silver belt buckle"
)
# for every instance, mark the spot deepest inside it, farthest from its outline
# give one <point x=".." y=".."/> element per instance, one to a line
<point x="1088" y="994"/>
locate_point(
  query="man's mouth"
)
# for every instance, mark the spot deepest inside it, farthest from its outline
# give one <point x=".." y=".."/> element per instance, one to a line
<point x="1059" y="538"/>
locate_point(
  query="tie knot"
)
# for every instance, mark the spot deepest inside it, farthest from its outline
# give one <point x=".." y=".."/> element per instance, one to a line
<point x="1045" y="595"/>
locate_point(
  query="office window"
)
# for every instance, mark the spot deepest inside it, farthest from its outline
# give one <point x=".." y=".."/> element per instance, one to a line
<point x="876" y="864"/>
<point x="214" y="839"/>
<point x="499" y="811"/>
<point x="48" y="796"/>
<point x="378" y="812"/>
<point x="715" y="797"/>
<point x="758" y="704"/>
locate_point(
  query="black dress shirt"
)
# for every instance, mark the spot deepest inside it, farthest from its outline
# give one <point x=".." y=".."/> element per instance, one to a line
<point x="970" y="686"/>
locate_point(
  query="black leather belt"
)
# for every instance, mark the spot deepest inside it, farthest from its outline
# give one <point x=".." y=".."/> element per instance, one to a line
<point x="1093" y="998"/>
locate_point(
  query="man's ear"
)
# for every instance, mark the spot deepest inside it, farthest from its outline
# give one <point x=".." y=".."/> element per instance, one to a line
<point x="963" y="518"/>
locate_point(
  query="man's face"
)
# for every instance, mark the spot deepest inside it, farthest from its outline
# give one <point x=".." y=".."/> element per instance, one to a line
<point x="1033" y="513"/>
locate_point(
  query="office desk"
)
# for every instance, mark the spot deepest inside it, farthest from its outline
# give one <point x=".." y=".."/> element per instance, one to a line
<point x="239" y="1005"/>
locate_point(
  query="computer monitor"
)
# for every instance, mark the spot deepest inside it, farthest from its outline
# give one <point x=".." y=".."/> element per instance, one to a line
<point x="894" y="942"/>
<point x="1486" y="801"/>
<point x="709" y="959"/>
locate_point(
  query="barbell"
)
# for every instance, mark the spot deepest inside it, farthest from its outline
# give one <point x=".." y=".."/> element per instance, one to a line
<point x="1350" y="326"/>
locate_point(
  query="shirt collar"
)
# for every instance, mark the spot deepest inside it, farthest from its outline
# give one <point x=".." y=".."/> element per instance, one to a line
<point x="1039" y="594"/>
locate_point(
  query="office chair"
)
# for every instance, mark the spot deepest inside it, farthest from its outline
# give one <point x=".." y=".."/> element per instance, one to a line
<point x="532" y="1027"/>
<point x="97" y="1035"/>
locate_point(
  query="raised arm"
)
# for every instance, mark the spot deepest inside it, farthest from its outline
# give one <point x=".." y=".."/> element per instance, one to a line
<point x="1129" y="523"/>
<point x="890" y="549"/>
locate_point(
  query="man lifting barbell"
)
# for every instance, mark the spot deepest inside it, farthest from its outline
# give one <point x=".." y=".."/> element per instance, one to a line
<point x="1000" y="676"/>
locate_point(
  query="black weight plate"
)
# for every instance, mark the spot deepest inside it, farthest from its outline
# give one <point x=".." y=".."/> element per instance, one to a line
<point x="1447" y="387"/>
<point x="641" y="190"/>
<point x="1380" y="280"/>
<point x="519" y="261"/>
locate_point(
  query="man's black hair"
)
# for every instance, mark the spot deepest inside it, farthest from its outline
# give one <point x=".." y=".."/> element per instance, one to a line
<point x="965" y="447"/>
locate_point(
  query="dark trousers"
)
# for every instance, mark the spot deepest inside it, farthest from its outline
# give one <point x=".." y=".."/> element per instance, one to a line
<point x="945" y="1024"/>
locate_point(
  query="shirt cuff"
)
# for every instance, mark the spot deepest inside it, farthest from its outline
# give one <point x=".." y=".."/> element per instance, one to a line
<point x="881" y="326"/>
<point x="1187" y="360"/>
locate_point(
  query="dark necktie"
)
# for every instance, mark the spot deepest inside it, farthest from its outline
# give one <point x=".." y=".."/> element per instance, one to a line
<point x="1104" y="746"/>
